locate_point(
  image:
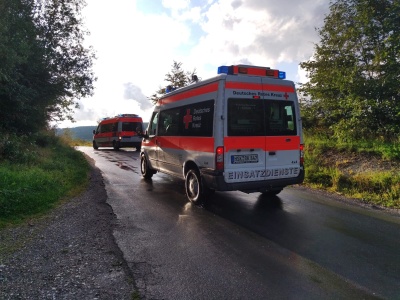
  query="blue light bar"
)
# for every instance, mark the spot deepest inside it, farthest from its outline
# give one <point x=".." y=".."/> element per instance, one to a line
<point x="223" y="70"/>
<point x="282" y="75"/>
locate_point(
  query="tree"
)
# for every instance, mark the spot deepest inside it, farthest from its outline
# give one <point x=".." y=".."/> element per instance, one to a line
<point x="46" y="69"/>
<point x="354" y="86"/>
<point x="177" y="78"/>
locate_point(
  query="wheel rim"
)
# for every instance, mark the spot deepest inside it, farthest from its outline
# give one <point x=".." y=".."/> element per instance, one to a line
<point x="193" y="186"/>
<point x="143" y="166"/>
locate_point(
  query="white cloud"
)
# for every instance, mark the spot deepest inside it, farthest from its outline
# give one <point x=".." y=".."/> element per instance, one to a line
<point x="136" y="49"/>
<point x="176" y="4"/>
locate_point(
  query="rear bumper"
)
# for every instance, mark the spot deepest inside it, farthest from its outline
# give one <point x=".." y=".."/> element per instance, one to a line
<point x="216" y="181"/>
<point x="129" y="144"/>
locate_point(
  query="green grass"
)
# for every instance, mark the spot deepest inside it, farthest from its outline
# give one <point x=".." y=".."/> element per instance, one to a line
<point x="377" y="187"/>
<point x="36" y="173"/>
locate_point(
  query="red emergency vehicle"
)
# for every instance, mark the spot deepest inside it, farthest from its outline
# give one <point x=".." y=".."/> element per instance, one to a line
<point x="118" y="132"/>
<point x="240" y="130"/>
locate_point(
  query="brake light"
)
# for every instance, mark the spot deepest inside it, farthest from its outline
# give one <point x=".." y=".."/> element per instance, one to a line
<point x="301" y="154"/>
<point x="242" y="70"/>
<point x="219" y="158"/>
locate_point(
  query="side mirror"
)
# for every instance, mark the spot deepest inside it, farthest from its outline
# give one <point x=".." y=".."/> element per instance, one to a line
<point x="141" y="134"/>
<point x="94" y="131"/>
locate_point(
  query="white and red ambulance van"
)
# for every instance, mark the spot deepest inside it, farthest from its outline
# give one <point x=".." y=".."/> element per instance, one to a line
<point x="240" y="130"/>
<point x="118" y="132"/>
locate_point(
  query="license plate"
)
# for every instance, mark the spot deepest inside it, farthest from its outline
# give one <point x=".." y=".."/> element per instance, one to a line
<point x="244" y="159"/>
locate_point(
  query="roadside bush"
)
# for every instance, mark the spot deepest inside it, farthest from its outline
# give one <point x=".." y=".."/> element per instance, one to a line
<point x="34" y="178"/>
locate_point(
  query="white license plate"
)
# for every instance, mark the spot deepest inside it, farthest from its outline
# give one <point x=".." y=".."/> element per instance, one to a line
<point x="244" y="159"/>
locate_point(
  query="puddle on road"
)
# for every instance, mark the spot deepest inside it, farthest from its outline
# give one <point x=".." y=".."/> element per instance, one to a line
<point x="123" y="166"/>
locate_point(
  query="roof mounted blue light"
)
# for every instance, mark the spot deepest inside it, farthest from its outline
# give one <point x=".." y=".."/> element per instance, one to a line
<point x="223" y="70"/>
<point x="282" y="75"/>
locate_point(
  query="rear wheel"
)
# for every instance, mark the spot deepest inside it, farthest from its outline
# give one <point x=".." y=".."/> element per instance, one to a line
<point x="272" y="192"/>
<point x="144" y="168"/>
<point x="116" y="145"/>
<point x="193" y="187"/>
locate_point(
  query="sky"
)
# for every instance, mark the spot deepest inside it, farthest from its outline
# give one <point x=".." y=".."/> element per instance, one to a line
<point x="137" y="41"/>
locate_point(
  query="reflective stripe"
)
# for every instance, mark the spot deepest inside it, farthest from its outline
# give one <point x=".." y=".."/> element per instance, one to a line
<point x="209" y="88"/>
<point x="266" y="143"/>
<point x="259" y="86"/>
<point x="201" y="144"/>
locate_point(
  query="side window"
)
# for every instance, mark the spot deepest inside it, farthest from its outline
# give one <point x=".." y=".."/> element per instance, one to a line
<point x="169" y="122"/>
<point x="197" y="119"/>
<point x="114" y="127"/>
<point x="106" y="128"/>
<point x="152" y="128"/>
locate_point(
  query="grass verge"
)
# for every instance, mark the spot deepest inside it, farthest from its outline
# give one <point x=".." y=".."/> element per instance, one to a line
<point x="364" y="170"/>
<point x="36" y="173"/>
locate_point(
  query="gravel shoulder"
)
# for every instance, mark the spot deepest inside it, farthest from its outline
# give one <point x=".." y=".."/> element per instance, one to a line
<point x="68" y="254"/>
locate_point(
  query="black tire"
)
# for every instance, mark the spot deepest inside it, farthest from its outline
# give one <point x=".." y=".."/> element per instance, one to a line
<point x="273" y="192"/>
<point x="116" y="145"/>
<point x="95" y="147"/>
<point x="144" y="168"/>
<point x="194" y="188"/>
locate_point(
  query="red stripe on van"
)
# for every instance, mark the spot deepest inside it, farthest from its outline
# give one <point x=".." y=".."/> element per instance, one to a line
<point x="279" y="88"/>
<point x="243" y="85"/>
<point x="259" y="86"/>
<point x="244" y="142"/>
<point x="268" y="143"/>
<point x="209" y="88"/>
<point x="202" y="144"/>
<point x="282" y="143"/>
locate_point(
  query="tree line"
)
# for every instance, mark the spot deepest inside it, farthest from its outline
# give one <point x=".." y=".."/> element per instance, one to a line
<point x="44" y="67"/>
<point x="353" y="90"/>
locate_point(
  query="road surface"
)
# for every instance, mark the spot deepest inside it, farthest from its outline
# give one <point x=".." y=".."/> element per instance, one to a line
<point x="298" y="245"/>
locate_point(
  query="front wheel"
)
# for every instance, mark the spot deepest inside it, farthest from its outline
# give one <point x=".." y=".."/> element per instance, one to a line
<point x="116" y="145"/>
<point x="144" y="168"/>
<point x="193" y="187"/>
<point x="95" y="147"/>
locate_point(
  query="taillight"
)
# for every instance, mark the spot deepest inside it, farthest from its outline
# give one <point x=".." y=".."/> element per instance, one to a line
<point x="219" y="158"/>
<point x="301" y="154"/>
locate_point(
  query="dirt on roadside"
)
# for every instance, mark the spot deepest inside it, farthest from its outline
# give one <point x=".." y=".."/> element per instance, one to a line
<point x="68" y="254"/>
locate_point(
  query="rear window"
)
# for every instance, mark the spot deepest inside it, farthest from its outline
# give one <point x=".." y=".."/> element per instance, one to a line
<point x="130" y="126"/>
<point x="255" y="117"/>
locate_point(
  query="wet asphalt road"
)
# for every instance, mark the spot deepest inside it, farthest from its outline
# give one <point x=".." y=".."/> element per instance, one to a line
<point x="299" y="245"/>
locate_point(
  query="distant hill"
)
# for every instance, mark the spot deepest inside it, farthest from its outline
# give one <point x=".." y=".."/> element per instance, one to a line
<point x="81" y="132"/>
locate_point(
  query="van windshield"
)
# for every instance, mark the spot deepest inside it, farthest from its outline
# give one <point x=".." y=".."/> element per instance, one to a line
<point x="131" y="126"/>
<point x="255" y="117"/>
